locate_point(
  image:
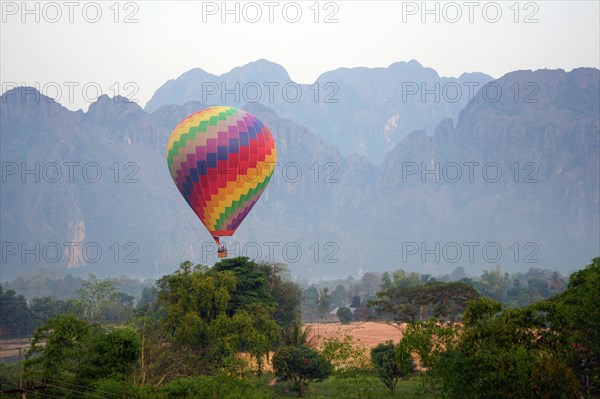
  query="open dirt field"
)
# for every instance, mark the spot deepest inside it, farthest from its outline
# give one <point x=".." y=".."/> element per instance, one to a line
<point x="367" y="333"/>
<point x="9" y="349"/>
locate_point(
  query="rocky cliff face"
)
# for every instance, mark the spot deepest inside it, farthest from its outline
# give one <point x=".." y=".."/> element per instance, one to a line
<point x="535" y="169"/>
<point x="517" y="175"/>
<point x="359" y="110"/>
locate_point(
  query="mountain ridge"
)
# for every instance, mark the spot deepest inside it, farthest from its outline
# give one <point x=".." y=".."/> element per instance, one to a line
<point x="359" y="109"/>
<point x="359" y="213"/>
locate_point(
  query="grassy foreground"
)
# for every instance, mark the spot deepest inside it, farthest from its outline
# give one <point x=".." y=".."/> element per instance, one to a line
<point x="358" y="385"/>
<point x="365" y="386"/>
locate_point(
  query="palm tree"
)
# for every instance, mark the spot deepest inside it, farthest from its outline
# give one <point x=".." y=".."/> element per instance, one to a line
<point x="298" y="336"/>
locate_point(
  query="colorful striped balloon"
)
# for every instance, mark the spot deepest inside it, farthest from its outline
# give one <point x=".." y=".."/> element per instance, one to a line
<point x="221" y="159"/>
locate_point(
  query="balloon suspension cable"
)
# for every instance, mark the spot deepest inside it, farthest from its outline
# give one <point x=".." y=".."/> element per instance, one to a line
<point x="221" y="248"/>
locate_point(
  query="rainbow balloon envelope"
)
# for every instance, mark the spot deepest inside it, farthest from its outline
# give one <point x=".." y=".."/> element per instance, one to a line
<point x="221" y="160"/>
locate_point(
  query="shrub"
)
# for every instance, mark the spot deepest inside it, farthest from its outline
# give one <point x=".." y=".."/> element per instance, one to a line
<point x="345" y="315"/>
<point x="386" y="364"/>
<point x="213" y="387"/>
<point x="346" y="355"/>
<point x="301" y="365"/>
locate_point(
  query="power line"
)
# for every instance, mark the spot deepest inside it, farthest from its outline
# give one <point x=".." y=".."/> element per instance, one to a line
<point x="77" y="391"/>
<point x="29" y="389"/>
<point x="41" y="393"/>
<point x="85" y="388"/>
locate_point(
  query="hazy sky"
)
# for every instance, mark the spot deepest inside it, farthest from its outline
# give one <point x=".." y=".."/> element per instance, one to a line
<point x="65" y="47"/>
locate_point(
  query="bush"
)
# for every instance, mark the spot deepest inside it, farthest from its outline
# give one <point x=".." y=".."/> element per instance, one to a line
<point x="208" y="387"/>
<point x="119" y="388"/>
<point x="385" y="362"/>
<point x="214" y="387"/>
<point x="345" y="315"/>
<point x="505" y="354"/>
<point x="356" y="384"/>
<point x="301" y="365"/>
<point x="346" y="355"/>
<point x="111" y="354"/>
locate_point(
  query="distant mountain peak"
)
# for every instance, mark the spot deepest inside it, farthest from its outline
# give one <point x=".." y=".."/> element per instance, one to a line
<point x="261" y="65"/>
<point x="191" y="85"/>
<point x="113" y="106"/>
<point x="25" y="94"/>
<point x="29" y="103"/>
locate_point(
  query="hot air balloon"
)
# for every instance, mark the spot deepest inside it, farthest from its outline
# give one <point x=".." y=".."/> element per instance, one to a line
<point x="221" y="160"/>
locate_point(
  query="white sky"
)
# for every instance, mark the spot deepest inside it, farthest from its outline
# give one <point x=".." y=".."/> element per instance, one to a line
<point x="170" y="38"/>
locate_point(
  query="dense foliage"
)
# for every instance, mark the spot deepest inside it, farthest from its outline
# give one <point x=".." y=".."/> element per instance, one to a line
<point x="208" y="331"/>
<point x="345" y="315"/>
<point x="546" y="350"/>
<point x="390" y="367"/>
<point x="72" y="351"/>
<point x="403" y="290"/>
<point x="301" y="365"/>
<point x="435" y="299"/>
<point x="197" y="321"/>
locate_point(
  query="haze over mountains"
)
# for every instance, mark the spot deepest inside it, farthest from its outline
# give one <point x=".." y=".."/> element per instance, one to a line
<point x="360" y="110"/>
<point x="437" y="184"/>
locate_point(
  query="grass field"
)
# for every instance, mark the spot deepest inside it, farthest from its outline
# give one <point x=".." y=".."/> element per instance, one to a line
<point x="356" y="387"/>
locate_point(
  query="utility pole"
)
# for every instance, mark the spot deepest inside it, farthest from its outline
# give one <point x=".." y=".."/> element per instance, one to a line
<point x="23" y="394"/>
<point x="20" y="371"/>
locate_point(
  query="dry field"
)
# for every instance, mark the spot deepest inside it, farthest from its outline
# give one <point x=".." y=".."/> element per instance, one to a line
<point x="9" y="348"/>
<point x="368" y="333"/>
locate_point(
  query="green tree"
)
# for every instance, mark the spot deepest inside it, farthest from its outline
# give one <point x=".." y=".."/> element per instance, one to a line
<point x="429" y="339"/>
<point x="288" y="297"/>
<point x="193" y="298"/>
<point x="119" y="309"/>
<point x="252" y="330"/>
<point x="494" y="284"/>
<point x="45" y="308"/>
<point x="58" y="348"/>
<point x="297" y="335"/>
<point x="214" y="316"/>
<point x="324" y="303"/>
<point x="575" y="314"/>
<point x="338" y="296"/>
<point x="436" y="299"/>
<point x="301" y="365"/>
<point x="386" y="282"/>
<point x="94" y="296"/>
<point x="406" y="280"/>
<point x="369" y="284"/>
<point x="111" y="354"/>
<point x="497" y="359"/>
<point x="72" y="351"/>
<point x="356" y="302"/>
<point x="345" y="315"/>
<point x="481" y="309"/>
<point x="458" y="274"/>
<point x="283" y="292"/>
<point x="506" y="353"/>
<point x="149" y="297"/>
<point x="15" y="318"/>
<point x="346" y="354"/>
<point x="310" y="304"/>
<point x="538" y="288"/>
<point x="555" y="282"/>
<point x="385" y="362"/>
<point x="251" y="282"/>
